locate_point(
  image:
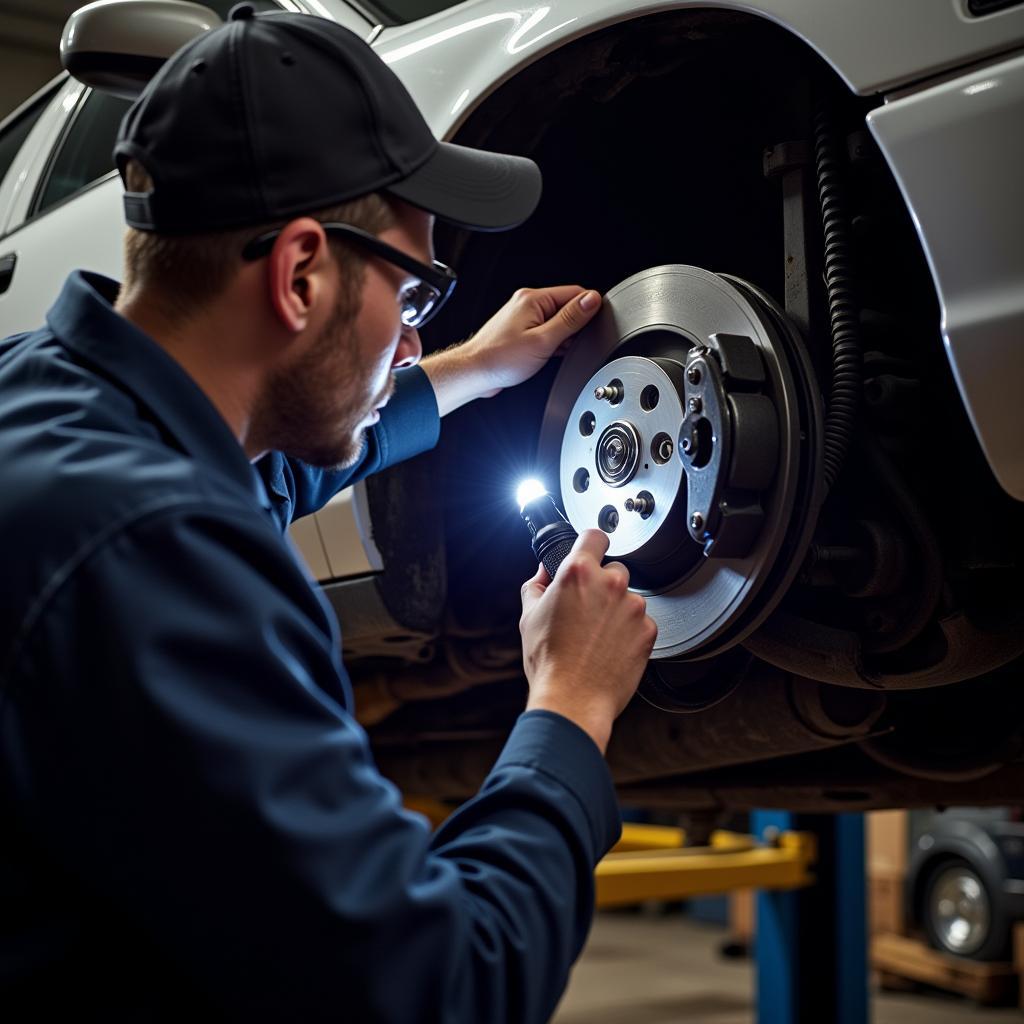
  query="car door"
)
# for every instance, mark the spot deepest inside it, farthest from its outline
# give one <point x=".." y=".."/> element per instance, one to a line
<point x="67" y="211"/>
<point x="66" y="214"/>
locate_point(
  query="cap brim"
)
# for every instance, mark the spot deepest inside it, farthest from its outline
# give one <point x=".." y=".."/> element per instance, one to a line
<point x="472" y="188"/>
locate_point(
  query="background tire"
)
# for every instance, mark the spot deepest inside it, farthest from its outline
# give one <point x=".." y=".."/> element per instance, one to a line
<point x="961" y="913"/>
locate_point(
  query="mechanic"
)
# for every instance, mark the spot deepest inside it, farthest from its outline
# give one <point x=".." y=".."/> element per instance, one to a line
<point x="193" y="823"/>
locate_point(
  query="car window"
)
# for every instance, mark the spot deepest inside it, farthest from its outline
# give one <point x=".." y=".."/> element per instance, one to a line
<point x="398" y="12"/>
<point x="222" y="7"/>
<point x="86" y="151"/>
<point x="16" y="130"/>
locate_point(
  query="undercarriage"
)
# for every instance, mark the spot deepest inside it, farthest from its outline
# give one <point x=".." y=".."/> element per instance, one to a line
<point x="762" y="419"/>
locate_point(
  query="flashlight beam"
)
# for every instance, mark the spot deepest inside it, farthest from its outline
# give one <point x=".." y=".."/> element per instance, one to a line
<point x="529" y="490"/>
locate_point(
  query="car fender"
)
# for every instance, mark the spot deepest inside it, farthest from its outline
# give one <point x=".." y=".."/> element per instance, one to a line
<point x="453" y="60"/>
<point x="954" y="147"/>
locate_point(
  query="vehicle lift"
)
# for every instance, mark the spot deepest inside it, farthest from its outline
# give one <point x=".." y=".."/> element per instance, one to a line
<point x="811" y="942"/>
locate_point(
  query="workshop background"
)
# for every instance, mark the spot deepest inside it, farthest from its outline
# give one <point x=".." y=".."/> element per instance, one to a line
<point x="662" y="960"/>
<point x="29" y="35"/>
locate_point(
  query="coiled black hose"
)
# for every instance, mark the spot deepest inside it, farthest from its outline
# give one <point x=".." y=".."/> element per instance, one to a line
<point x="844" y="397"/>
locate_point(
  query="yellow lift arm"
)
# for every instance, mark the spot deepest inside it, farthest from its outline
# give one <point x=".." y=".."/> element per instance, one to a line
<point x="652" y="862"/>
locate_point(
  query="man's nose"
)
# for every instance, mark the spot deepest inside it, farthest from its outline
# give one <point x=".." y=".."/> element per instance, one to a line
<point x="409" y="350"/>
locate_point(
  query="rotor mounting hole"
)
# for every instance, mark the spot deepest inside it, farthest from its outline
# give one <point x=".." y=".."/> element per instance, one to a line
<point x="649" y="397"/>
<point x="662" y="448"/>
<point x="588" y="421"/>
<point x="580" y="480"/>
<point x="608" y="518"/>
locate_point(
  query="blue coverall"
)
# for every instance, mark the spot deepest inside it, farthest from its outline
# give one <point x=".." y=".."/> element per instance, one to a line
<point x="193" y="827"/>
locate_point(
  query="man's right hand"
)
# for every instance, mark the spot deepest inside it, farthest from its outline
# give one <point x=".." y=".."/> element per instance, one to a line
<point x="586" y="638"/>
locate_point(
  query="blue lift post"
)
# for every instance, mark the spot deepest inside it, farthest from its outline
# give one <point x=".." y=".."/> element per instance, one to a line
<point x="811" y="943"/>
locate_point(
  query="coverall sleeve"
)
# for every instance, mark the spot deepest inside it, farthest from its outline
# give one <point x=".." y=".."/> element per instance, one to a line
<point x="209" y="782"/>
<point x="409" y="424"/>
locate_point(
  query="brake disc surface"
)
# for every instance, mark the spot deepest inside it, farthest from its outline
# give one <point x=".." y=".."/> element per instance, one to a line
<point x="685" y="424"/>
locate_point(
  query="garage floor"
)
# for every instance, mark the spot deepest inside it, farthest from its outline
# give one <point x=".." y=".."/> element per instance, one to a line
<point x="667" y="970"/>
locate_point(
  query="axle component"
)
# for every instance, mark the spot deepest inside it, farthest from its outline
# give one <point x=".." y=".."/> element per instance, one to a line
<point x="686" y="424"/>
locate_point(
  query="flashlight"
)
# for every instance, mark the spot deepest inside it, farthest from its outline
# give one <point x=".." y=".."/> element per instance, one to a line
<point x="551" y="536"/>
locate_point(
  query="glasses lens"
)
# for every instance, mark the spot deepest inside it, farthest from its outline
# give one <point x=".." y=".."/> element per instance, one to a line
<point x="417" y="304"/>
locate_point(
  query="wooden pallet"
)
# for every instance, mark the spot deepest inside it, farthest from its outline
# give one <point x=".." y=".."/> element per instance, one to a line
<point x="900" y="960"/>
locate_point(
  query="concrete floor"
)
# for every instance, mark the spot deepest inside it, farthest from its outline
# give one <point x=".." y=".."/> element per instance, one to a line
<point x="667" y="970"/>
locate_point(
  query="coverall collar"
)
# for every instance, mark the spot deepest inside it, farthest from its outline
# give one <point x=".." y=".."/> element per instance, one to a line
<point x="84" y="320"/>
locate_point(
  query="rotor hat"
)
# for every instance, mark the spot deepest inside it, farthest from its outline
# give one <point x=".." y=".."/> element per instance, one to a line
<point x="273" y="115"/>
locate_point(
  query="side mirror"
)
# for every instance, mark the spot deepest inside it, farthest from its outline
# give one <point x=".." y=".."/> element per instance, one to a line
<point x="118" y="45"/>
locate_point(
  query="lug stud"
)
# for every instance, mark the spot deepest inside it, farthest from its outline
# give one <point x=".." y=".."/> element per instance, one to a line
<point x="609" y="393"/>
<point x="642" y="505"/>
<point x="665" y="450"/>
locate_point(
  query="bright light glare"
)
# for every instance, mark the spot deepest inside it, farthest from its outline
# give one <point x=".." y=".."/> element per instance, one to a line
<point x="528" y="491"/>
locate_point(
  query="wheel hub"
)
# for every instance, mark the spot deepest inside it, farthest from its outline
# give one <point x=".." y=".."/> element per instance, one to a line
<point x="685" y="425"/>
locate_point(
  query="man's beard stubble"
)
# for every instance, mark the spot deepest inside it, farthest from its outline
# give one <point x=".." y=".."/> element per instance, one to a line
<point x="312" y="409"/>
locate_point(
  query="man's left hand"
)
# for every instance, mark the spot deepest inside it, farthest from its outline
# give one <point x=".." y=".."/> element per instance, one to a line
<point x="534" y="325"/>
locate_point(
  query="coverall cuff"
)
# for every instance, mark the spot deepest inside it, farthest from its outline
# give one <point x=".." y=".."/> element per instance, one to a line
<point x="410" y="423"/>
<point x="549" y="743"/>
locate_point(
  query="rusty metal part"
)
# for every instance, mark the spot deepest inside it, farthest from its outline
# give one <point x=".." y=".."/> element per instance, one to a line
<point x="837" y="656"/>
<point x="465" y="662"/>
<point x="824" y="783"/>
<point x="767" y="715"/>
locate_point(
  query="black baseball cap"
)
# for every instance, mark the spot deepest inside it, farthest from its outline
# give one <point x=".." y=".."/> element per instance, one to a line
<point x="273" y="115"/>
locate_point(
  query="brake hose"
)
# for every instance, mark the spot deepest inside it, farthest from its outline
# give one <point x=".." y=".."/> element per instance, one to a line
<point x="844" y="397"/>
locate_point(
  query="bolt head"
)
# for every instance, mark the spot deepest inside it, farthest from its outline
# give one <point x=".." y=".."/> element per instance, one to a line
<point x="686" y="444"/>
<point x="693" y="374"/>
<point x="697" y="521"/>
<point x="695" y="405"/>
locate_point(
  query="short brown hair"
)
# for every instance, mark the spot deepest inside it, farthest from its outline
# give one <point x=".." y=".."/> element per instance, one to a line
<point x="184" y="272"/>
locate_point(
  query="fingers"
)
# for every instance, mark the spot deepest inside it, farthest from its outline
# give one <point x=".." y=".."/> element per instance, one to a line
<point x="533" y="589"/>
<point x="593" y="542"/>
<point x="619" y="570"/>
<point x="572" y="316"/>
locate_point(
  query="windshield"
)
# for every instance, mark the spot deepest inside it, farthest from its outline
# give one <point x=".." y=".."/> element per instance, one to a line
<point x="398" y="12"/>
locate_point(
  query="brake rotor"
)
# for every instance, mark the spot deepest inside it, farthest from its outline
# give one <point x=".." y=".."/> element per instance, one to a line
<point x="684" y="422"/>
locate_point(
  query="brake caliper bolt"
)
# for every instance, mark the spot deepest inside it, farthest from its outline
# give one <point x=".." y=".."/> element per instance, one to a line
<point x="665" y="450"/>
<point x="697" y="521"/>
<point x="641" y="505"/>
<point x="693" y="374"/>
<point x="695" y="405"/>
<point x="609" y="393"/>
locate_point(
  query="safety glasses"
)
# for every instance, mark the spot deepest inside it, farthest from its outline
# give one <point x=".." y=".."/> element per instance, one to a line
<point x="418" y="302"/>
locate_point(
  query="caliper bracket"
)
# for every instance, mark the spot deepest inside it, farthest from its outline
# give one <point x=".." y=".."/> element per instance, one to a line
<point x="728" y="443"/>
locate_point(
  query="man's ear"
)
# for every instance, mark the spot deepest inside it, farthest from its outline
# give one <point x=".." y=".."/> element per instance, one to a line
<point x="297" y="270"/>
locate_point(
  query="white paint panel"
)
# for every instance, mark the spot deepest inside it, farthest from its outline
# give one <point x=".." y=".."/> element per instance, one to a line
<point x="874" y="45"/>
<point x="306" y="537"/>
<point x="348" y="534"/>
<point x="957" y="151"/>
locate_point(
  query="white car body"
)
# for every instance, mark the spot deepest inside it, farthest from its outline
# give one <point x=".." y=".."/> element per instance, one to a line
<point x="943" y="97"/>
<point x="950" y="129"/>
